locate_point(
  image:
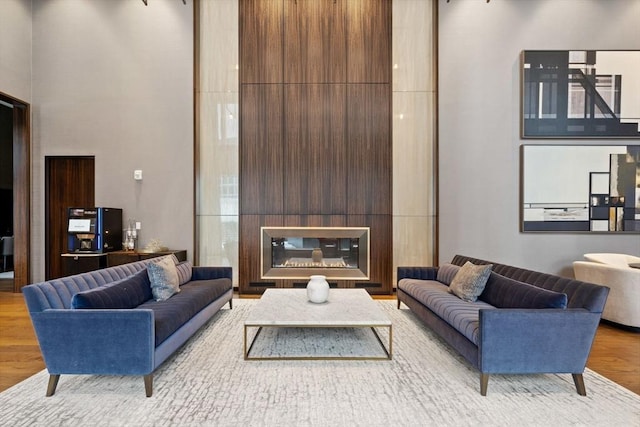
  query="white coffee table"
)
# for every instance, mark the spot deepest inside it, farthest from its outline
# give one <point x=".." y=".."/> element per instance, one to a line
<point x="289" y="308"/>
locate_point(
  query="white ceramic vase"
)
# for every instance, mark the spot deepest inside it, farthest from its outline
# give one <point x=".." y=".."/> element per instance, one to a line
<point x="318" y="289"/>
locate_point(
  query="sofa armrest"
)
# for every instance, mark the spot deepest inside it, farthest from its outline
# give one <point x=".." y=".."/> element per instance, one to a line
<point x="118" y="342"/>
<point x="422" y="273"/>
<point x="536" y="340"/>
<point x="209" y="273"/>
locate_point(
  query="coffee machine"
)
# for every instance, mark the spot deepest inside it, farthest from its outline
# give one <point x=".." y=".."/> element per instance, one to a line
<point x="95" y="230"/>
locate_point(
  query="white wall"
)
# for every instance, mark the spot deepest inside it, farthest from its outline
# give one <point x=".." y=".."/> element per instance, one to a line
<point x="15" y="49"/>
<point x="114" y="79"/>
<point x="479" y="132"/>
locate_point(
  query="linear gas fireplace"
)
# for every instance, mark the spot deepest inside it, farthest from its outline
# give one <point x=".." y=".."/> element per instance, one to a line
<point x="340" y="253"/>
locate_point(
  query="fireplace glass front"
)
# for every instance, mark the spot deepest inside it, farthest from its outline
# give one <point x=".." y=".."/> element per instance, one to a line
<point x="298" y="252"/>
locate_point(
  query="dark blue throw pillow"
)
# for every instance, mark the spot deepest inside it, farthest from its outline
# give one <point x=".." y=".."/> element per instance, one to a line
<point x="503" y="292"/>
<point x="126" y="293"/>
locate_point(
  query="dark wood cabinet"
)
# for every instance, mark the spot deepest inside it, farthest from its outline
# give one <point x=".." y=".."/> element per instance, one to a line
<point x="125" y="257"/>
<point x="76" y="263"/>
<point x="82" y="263"/>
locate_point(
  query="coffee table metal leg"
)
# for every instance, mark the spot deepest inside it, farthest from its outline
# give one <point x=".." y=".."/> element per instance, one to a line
<point x="248" y="350"/>
<point x="388" y="350"/>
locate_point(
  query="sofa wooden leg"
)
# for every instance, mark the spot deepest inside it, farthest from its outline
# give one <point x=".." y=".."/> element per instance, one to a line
<point x="484" y="383"/>
<point x="579" y="382"/>
<point x="231" y="304"/>
<point x="398" y="304"/>
<point x="148" y="384"/>
<point x="53" y="383"/>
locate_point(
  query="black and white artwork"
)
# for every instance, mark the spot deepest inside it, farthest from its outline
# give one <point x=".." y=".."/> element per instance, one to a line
<point x="580" y="94"/>
<point x="580" y="188"/>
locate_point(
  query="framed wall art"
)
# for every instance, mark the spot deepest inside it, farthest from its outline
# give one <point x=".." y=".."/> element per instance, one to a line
<point x="580" y="94"/>
<point x="580" y="188"/>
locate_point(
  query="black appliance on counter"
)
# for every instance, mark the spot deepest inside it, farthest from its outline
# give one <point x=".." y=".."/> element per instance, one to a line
<point x="94" y="230"/>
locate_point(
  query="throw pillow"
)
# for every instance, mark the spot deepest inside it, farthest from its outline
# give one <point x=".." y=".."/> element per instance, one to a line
<point x="184" y="272"/>
<point x="446" y="273"/>
<point x="470" y="281"/>
<point x="504" y="292"/>
<point x="163" y="276"/>
<point x="126" y="293"/>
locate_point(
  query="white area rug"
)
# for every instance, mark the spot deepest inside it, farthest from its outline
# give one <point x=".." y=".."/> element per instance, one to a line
<point x="208" y="383"/>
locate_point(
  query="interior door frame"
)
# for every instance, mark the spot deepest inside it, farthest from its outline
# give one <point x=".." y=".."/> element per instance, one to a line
<point x="21" y="189"/>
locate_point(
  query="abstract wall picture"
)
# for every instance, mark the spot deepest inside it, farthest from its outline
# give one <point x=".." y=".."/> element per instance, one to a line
<point x="580" y="94"/>
<point x="580" y="188"/>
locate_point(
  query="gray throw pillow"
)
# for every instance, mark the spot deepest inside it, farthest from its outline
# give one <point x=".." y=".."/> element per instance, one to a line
<point x="470" y="281"/>
<point x="163" y="276"/>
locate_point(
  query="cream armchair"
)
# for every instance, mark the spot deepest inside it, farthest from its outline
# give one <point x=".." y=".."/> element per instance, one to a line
<point x="613" y="270"/>
<point x="621" y="260"/>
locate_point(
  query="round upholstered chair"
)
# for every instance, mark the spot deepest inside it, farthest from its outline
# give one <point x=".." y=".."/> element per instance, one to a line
<point x="614" y="271"/>
<point x="620" y="260"/>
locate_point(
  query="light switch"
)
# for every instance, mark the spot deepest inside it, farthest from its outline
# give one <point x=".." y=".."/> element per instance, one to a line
<point x="137" y="175"/>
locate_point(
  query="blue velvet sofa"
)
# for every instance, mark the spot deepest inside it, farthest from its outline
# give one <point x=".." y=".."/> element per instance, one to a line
<point x="523" y="322"/>
<point x="106" y="322"/>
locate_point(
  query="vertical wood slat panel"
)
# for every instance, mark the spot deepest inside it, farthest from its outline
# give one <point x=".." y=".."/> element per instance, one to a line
<point x="261" y="151"/>
<point x="380" y="253"/>
<point x="315" y="41"/>
<point x="370" y="150"/>
<point x="70" y="182"/>
<point x="261" y="49"/>
<point x="21" y="196"/>
<point x="315" y="153"/>
<point x="249" y="248"/>
<point x="369" y="41"/>
<point x="315" y="220"/>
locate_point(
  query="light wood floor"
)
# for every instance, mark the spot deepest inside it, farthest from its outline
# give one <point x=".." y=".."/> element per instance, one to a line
<point x="615" y="353"/>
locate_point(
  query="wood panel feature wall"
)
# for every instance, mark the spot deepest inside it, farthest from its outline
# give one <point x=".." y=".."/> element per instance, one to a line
<point x="315" y="155"/>
<point x="261" y="149"/>
<point x="315" y="42"/>
<point x="369" y="142"/>
<point x="315" y="126"/>
<point x="369" y="41"/>
<point x="261" y="32"/>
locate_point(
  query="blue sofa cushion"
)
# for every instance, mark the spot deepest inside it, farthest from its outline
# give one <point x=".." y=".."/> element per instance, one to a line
<point x="504" y="292"/>
<point x="462" y="315"/>
<point x="169" y="315"/>
<point x="184" y="272"/>
<point x="125" y="293"/>
<point x="447" y="272"/>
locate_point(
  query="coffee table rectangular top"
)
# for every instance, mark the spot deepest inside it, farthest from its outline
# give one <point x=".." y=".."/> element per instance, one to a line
<point x="290" y="308"/>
